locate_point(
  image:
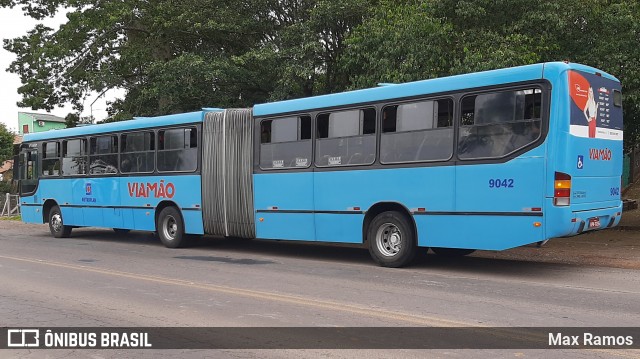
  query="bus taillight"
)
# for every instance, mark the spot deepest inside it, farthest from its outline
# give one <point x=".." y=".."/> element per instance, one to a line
<point x="562" y="189"/>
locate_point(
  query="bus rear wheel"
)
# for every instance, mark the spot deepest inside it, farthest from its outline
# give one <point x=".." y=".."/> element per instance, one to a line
<point x="56" y="224"/>
<point x="170" y="228"/>
<point x="452" y="252"/>
<point x="391" y="240"/>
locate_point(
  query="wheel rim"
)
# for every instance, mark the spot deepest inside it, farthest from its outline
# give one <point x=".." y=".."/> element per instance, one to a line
<point x="169" y="227"/>
<point x="56" y="222"/>
<point x="389" y="239"/>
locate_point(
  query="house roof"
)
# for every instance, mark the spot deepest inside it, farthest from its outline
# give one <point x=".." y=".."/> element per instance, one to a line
<point x="7" y="165"/>
<point x="44" y="117"/>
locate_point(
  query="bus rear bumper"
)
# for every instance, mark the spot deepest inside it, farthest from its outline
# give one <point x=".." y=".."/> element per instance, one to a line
<point x="580" y="218"/>
<point x="596" y="219"/>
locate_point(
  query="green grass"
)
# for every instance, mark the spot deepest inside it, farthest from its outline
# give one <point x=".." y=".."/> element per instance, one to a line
<point x="12" y="218"/>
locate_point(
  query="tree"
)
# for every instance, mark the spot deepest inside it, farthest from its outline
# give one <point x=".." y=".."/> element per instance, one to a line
<point x="170" y="57"/>
<point x="71" y="120"/>
<point x="167" y="56"/>
<point x="308" y="42"/>
<point x="176" y="56"/>
<point x="6" y="143"/>
<point x="400" y="42"/>
<point x="414" y="40"/>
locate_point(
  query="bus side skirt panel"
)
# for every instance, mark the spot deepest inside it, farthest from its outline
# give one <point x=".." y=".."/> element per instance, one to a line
<point x="484" y="232"/>
<point x="339" y="228"/>
<point x="285" y="226"/>
<point x="193" y="222"/>
<point x="284" y="206"/>
<point x="31" y="214"/>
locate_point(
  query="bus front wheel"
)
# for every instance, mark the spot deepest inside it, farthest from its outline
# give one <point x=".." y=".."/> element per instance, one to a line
<point x="170" y="228"/>
<point x="56" y="225"/>
<point x="391" y="240"/>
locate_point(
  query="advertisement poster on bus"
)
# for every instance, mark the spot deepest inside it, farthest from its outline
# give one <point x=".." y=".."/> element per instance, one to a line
<point x="596" y="106"/>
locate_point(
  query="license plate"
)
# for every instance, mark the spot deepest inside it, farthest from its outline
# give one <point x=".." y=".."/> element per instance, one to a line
<point x="594" y="222"/>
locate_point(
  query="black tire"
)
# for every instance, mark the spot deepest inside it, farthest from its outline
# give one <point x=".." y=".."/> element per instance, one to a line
<point x="452" y="252"/>
<point x="56" y="224"/>
<point x="392" y="242"/>
<point x="121" y="230"/>
<point x="170" y="228"/>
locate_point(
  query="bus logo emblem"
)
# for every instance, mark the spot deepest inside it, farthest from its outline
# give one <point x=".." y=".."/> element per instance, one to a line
<point x="580" y="162"/>
<point x="23" y="338"/>
<point x="88" y="189"/>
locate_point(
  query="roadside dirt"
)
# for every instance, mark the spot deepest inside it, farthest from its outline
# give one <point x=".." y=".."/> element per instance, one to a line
<point x="618" y="247"/>
<point x="608" y="248"/>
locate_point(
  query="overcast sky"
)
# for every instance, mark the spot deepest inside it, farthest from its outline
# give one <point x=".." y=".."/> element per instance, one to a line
<point x="13" y="24"/>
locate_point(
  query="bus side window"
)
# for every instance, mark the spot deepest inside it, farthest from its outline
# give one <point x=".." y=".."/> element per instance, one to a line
<point x="346" y="138"/>
<point x="74" y="159"/>
<point x="51" y="159"/>
<point x="285" y="142"/>
<point x="417" y="131"/>
<point x="495" y="124"/>
<point x="137" y="152"/>
<point x="178" y="150"/>
<point x="103" y="155"/>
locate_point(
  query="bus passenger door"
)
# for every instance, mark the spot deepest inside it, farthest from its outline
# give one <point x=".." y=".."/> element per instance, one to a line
<point x="27" y="175"/>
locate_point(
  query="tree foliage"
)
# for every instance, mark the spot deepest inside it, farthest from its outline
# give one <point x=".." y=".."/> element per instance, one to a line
<point x="175" y="56"/>
<point x="6" y="143"/>
<point x="414" y="40"/>
<point x="166" y="54"/>
<point x="71" y="120"/>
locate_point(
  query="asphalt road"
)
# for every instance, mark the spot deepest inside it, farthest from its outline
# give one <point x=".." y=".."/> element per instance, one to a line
<point x="99" y="278"/>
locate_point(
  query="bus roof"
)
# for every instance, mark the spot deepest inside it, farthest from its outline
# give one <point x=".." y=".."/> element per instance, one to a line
<point x="410" y="89"/>
<point x="133" y="124"/>
<point x="381" y="93"/>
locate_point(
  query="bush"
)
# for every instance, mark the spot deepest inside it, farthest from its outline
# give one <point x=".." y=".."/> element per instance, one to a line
<point x="6" y="187"/>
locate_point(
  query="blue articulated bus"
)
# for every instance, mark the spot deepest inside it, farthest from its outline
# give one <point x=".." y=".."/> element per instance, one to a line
<point x="489" y="160"/>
